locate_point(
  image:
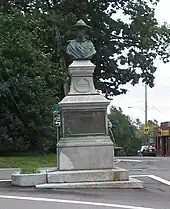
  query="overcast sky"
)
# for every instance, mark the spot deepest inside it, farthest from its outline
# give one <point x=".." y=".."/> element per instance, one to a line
<point x="159" y="96"/>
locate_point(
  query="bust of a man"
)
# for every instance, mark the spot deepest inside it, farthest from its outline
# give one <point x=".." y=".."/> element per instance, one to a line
<point x="81" y="48"/>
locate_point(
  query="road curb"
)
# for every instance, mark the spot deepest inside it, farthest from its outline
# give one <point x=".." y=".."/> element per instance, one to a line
<point x="5" y="173"/>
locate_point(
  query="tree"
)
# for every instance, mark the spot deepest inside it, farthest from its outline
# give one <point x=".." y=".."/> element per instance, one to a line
<point x="29" y="82"/>
<point x="126" y="50"/>
<point x="125" y="131"/>
<point x="33" y="65"/>
<point x="150" y="124"/>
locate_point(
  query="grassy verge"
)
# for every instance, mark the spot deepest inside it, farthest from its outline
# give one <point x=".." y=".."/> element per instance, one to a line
<point x="36" y="161"/>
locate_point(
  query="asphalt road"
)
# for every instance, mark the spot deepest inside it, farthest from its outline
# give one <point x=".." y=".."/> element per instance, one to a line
<point x="155" y="195"/>
<point x="159" y="166"/>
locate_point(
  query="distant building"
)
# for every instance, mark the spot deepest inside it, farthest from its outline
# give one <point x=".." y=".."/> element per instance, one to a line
<point x="161" y="136"/>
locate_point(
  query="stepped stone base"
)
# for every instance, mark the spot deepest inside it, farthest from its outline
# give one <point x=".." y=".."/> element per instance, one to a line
<point x="116" y="174"/>
<point x="82" y="179"/>
<point x="129" y="184"/>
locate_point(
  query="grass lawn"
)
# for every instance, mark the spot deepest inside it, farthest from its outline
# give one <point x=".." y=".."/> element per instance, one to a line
<point x="36" y="161"/>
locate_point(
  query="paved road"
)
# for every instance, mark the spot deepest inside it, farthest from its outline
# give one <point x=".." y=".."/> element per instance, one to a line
<point x="155" y="195"/>
<point x="152" y="196"/>
<point x="159" y="166"/>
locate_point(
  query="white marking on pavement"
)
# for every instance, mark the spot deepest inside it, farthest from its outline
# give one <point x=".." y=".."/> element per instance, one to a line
<point x="139" y="160"/>
<point x="137" y="169"/>
<point x="160" y="179"/>
<point x="117" y="161"/>
<point x="131" y="160"/>
<point x="135" y="176"/>
<point x="8" y="169"/>
<point x="110" y="205"/>
<point x="156" y="178"/>
<point x="5" y="180"/>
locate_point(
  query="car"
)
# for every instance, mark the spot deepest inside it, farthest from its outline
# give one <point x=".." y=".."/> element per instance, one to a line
<point x="147" y="151"/>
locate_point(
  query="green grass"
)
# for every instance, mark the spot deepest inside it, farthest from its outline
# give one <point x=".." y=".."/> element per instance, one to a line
<point x="29" y="170"/>
<point x="30" y="161"/>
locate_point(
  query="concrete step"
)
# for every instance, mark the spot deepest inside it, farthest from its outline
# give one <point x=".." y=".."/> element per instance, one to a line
<point x="129" y="184"/>
<point x="116" y="174"/>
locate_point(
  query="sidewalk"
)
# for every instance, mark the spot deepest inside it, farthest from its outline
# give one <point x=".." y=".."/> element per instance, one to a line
<point x="5" y="173"/>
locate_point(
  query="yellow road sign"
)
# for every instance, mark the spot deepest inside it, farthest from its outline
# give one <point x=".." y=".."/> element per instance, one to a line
<point x="146" y="129"/>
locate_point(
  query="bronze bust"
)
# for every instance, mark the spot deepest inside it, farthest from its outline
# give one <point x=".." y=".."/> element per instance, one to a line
<point x="81" y="48"/>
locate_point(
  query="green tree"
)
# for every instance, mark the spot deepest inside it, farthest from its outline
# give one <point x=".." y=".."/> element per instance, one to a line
<point x="126" y="50"/>
<point x="141" y="127"/>
<point x="29" y="82"/>
<point x="33" y="63"/>
<point x="125" y="131"/>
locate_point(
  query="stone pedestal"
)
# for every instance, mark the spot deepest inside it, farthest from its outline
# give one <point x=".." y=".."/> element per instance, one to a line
<point x="116" y="174"/>
<point x="79" y="153"/>
<point x="84" y="142"/>
<point x="85" y="151"/>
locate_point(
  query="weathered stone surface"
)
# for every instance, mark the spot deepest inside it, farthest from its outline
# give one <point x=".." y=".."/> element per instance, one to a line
<point x="81" y="73"/>
<point x="129" y="184"/>
<point x="93" y="152"/>
<point x="84" y="142"/>
<point x="116" y="174"/>
<point x="84" y="102"/>
<point x="84" y="123"/>
<point x="28" y="179"/>
<point x="86" y="157"/>
<point x="82" y="90"/>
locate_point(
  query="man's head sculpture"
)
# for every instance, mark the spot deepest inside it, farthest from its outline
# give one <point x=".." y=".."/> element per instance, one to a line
<point x="81" y="48"/>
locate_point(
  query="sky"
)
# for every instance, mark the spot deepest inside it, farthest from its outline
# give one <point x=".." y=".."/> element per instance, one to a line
<point x="133" y="102"/>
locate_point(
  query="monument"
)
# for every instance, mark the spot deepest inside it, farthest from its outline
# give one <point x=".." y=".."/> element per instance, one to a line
<point x="84" y="111"/>
<point x="85" y="150"/>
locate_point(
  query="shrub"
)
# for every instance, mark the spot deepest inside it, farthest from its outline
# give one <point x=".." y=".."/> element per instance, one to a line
<point x="29" y="170"/>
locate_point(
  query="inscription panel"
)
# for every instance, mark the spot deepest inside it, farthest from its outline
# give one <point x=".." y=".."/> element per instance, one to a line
<point x="82" y="85"/>
<point x="84" y="123"/>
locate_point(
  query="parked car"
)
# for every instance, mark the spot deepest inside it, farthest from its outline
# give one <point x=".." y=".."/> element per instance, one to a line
<point x="147" y="151"/>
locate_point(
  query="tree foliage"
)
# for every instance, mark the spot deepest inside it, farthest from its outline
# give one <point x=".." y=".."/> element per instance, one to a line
<point x="125" y="131"/>
<point x="150" y="124"/>
<point x="29" y="82"/>
<point x="33" y="65"/>
<point x="126" y="50"/>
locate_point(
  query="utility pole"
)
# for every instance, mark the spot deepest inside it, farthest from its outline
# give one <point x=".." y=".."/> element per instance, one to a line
<point x="146" y="114"/>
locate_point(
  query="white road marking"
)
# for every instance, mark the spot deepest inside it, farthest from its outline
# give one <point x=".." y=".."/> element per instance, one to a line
<point x="164" y="181"/>
<point x="137" y="169"/>
<point x="139" y="160"/>
<point x="9" y="169"/>
<point x="135" y="176"/>
<point x="116" y="161"/>
<point x="110" y="205"/>
<point x="156" y="178"/>
<point x="131" y="160"/>
<point x="5" y="180"/>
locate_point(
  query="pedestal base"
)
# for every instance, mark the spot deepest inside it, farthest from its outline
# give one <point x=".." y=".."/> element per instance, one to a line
<point x="81" y="179"/>
<point x="130" y="184"/>
<point x="116" y="174"/>
<point x="81" y="153"/>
